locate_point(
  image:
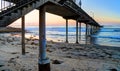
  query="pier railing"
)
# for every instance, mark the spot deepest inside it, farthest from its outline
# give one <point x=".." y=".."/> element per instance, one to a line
<point x="8" y="7"/>
<point x="75" y="7"/>
<point x="9" y="4"/>
<point x="5" y="5"/>
<point x="72" y="5"/>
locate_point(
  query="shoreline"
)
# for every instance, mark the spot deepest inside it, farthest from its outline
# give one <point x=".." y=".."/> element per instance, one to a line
<point x="102" y="46"/>
<point x="63" y="56"/>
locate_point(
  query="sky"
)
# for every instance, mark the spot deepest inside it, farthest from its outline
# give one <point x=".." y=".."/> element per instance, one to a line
<point x="105" y="12"/>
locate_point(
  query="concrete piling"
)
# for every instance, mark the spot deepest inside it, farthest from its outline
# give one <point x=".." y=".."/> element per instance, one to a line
<point x="44" y="62"/>
<point x="23" y="35"/>
<point x="66" y="30"/>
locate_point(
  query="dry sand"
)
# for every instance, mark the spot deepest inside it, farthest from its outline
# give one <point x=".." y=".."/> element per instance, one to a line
<point x="63" y="56"/>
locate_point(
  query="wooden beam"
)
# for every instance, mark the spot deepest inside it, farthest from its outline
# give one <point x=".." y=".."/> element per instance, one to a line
<point x="77" y="31"/>
<point x="23" y="35"/>
<point x="66" y="30"/>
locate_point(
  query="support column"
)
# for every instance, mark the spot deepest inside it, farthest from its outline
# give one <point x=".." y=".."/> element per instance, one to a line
<point x="77" y="31"/>
<point x="91" y="30"/>
<point x="44" y="62"/>
<point x="23" y="35"/>
<point x="96" y="28"/>
<point x="66" y="30"/>
<point x="88" y="30"/>
<point x="86" y="34"/>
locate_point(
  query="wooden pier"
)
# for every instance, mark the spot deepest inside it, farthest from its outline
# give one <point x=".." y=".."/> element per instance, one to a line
<point x="64" y="8"/>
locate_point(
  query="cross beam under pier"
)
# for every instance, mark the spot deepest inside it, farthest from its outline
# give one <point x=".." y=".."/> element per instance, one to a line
<point x="86" y="33"/>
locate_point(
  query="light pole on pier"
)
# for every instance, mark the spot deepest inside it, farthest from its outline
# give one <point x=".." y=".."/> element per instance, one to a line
<point x="92" y="14"/>
<point x="80" y="3"/>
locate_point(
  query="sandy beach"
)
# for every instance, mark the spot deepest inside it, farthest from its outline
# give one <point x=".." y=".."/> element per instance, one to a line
<point x="63" y="56"/>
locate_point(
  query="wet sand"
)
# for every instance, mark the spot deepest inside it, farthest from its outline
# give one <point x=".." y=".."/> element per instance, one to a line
<point x="63" y="56"/>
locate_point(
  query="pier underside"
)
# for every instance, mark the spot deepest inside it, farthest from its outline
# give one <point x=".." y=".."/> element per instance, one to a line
<point x="59" y="10"/>
<point x="67" y="13"/>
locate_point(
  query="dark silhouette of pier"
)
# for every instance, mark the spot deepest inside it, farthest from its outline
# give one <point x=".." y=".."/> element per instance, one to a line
<point x="66" y="8"/>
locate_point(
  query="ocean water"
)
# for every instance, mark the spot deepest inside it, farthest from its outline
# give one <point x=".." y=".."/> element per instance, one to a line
<point x="107" y="35"/>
